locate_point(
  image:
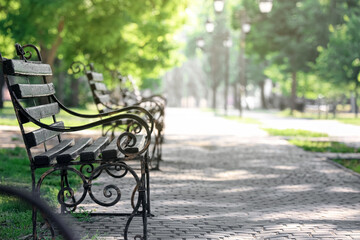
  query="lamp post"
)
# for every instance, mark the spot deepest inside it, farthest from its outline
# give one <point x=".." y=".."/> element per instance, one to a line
<point x="227" y="44"/>
<point x="265" y="6"/>
<point x="218" y="43"/>
<point x="244" y="29"/>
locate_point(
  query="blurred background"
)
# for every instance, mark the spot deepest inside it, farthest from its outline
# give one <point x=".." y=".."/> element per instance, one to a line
<point x="301" y="56"/>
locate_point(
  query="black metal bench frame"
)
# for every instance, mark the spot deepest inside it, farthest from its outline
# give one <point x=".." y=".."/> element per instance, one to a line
<point x="130" y="145"/>
<point x="104" y="104"/>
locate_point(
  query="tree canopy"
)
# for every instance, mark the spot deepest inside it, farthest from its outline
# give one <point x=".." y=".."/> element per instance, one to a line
<point x="135" y="37"/>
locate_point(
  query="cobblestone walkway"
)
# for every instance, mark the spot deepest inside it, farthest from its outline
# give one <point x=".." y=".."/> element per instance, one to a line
<point x="225" y="180"/>
<point x="242" y="184"/>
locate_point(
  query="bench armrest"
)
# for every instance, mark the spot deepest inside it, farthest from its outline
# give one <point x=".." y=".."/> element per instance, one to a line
<point x="149" y="117"/>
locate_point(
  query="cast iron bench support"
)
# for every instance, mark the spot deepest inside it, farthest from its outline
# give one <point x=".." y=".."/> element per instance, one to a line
<point x="33" y="99"/>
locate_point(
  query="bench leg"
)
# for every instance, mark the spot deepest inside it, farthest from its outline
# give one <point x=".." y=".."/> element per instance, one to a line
<point x="147" y="174"/>
<point x="34" y="213"/>
<point x="157" y="150"/>
<point x="141" y="202"/>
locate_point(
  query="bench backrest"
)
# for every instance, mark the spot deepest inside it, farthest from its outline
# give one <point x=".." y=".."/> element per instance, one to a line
<point x="99" y="90"/>
<point x="31" y="95"/>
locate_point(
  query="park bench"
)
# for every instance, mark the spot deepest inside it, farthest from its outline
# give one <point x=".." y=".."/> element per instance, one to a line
<point x="105" y="104"/>
<point x="124" y="155"/>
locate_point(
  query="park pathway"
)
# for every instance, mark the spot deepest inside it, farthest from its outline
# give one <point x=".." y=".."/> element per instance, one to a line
<point x="224" y="180"/>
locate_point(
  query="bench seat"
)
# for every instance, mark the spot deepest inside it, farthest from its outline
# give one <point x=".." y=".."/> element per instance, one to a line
<point x="87" y="150"/>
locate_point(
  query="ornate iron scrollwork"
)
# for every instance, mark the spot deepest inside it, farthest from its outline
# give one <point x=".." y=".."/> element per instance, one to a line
<point x="110" y="190"/>
<point x="77" y="67"/>
<point x="66" y="192"/>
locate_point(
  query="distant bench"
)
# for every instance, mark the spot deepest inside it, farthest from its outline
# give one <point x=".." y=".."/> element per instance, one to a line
<point x="105" y="104"/>
<point x="33" y="98"/>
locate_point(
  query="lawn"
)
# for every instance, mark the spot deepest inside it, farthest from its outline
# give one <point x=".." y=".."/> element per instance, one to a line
<point x="347" y="118"/>
<point x="294" y="133"/>
<point x="15" y="216"/>
<point x="353" y="164"/>
<point x="7" y="116"/>
<point x="323" y="146"/>
<point x="307" y="141"/>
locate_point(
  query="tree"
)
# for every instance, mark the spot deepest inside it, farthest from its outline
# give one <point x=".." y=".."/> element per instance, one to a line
<point x="291" y="34"/>
<point x="135" y="37"/>
<point x="339" y="62"/>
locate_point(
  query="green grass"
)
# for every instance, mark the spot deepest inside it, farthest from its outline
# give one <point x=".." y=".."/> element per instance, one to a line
<point x="7" y="117"/>
<point x="353" y="164"/>
<point x="347" y="118"/>
<point x="294" y="133"/>
<point x="15" y="217"/>
<point x="353" y="121"/>
<point x="243" y="120"/>
<point x="325" y="146"/>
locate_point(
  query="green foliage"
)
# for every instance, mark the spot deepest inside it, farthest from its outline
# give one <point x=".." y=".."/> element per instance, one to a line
<point x="287" y="40"/>
<point x="294" y="133"/>
<point x="339" y="62"/>
<point x="82" y="215"/>
<point x="134" y="37"/>
<point x="154" y="84"/>
<point x="353" y="164"/>
<point x="323" y="146"/>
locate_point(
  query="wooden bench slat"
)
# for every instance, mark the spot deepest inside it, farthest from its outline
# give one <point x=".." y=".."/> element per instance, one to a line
<point x="140" y="142"/>
<point x="41" y="135"/>
<point x="73" y="152"/>
<point x="94" y="76"/>
<point x="112" y="152"/>
<point x="99" y="86"/>
<point x="90" y="153"/>
<point x="41" y="111"/>
<point x="103" y="98"/>
<point x="46" y="157"/>
<point x="33" y="90"/>
<point x="21" y="67"/>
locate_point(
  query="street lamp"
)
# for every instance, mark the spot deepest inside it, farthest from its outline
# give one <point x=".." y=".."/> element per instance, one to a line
<point x="246" y="27"/>
<point x="265" y="6"/>
<point x="200" y="43"/>
<point x="227" y="44"/>
<point x="209" y="26"/>
<point x="219" y="5"/>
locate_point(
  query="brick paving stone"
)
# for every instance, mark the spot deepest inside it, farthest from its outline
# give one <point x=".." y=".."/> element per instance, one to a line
<point x="226" y="180"/>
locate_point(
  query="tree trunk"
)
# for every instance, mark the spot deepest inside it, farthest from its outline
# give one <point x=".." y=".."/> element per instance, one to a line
<point x="293" y="92"/>
<point x="226" y="93"/>
<point x="214" y="89"/>
<point x="263" y="100"/>
<point x="356" y="98"/>
<point x="240" y="103"/>
<point x="2" y="82"/>
<point x="49" y="55"/>
<point x="61" y="75"/>
<point x="235" y="93"/>
<point x="75" y="93"/>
